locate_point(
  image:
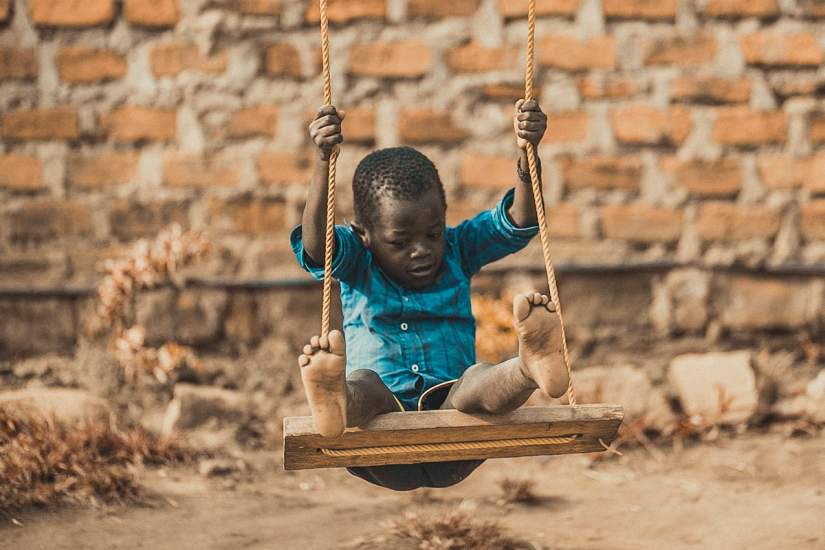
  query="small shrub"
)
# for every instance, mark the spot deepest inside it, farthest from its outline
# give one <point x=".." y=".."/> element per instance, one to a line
<point x="43" y="462"/>
<point x="452" y="530"/>
<point x="518" y="491"/>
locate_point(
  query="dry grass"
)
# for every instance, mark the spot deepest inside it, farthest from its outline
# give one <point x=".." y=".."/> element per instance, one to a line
<point x="450" y="530"/>
<point x="43" y="463"/>
<point x="518" y="491"/>
<point x="495" y="335"/>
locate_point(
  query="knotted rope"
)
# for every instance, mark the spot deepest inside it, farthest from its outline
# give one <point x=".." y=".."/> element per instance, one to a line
<point x="458" y="446"/>
<point x="537" y="196"/>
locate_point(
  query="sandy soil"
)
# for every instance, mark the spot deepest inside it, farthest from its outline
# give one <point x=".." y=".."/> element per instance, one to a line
<point x="754" y="492"/>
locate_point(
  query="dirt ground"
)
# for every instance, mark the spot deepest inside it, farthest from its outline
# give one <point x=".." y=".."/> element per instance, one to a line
<point x="751" y="492"/>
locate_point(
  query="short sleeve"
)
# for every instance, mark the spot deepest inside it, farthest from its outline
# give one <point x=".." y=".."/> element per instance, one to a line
<point x="347" y="259"/>
<point x="490" y="236"/>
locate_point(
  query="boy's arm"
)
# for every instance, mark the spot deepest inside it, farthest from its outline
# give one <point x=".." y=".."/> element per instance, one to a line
<point x="325" y="131"/>
<point x="529" y="124"/>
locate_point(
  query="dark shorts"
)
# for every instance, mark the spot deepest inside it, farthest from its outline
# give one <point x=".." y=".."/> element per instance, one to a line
<point x="406" y="477"/>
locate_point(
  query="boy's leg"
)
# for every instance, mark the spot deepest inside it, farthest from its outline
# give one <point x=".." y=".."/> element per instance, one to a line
<point x="502" y="388"/>
<point x="336" y="402"/>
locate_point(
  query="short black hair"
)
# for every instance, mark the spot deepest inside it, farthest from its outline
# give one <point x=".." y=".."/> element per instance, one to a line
<point x="399" y="172"/>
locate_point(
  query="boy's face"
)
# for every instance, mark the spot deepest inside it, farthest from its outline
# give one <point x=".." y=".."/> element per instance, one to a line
<point x="407" y="238"/>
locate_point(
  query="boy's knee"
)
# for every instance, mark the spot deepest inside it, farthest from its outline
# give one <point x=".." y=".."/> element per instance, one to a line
<point x="364" y="376"/>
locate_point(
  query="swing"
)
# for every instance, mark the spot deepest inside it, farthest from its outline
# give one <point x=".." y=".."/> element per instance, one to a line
<point x="446" y="435"/>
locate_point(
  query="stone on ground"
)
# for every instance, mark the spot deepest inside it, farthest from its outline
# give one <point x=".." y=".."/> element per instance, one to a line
<point x="210" y="416"/>
<point x="630" y="387"/>
<point x="720" y="388"/>
<point x="66" y="405"/>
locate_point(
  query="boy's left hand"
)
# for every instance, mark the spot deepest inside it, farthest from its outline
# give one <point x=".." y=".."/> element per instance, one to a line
<point x="529" y="123"/>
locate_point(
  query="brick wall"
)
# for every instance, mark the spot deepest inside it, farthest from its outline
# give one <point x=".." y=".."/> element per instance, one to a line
<point x="683" y="131"/>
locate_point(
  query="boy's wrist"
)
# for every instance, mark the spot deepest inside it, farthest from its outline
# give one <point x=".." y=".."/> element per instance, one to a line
<point x="524" y="175"/>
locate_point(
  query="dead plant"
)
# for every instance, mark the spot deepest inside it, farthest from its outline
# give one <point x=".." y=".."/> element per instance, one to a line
<point x="495" y="334"/>
<point x="44" y="463"/>
<point x="450" y="530"/>
<point x="149" y="265"/>
<point x="518" y="490"/>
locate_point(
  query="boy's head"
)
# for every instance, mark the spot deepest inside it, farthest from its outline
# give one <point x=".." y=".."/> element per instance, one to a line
<point x="399" y="213"/>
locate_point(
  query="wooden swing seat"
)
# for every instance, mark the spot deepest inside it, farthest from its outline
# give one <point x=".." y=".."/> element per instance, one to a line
<point x="444" y="435"/>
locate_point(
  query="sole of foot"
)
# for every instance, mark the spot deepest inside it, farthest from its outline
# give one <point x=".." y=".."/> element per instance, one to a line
<point x="323" y="366"/>
<point x="541" y="348"/>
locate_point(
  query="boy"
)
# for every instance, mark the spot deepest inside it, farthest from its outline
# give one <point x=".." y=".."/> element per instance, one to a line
<point x="405" y="291"/>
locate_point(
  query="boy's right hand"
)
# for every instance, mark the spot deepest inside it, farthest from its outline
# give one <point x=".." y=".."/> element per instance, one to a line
<point x="325" y="130"/>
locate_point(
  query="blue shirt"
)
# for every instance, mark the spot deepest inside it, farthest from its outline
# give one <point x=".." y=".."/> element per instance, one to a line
<point x="415" y="339"/>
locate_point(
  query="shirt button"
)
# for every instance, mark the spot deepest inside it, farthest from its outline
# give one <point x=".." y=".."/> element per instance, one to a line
<point x="404" y="326"/>
<point x="414" y="368"/>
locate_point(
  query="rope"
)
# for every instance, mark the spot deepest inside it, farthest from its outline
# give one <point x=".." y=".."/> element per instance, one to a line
<point x="537" y="197"/>
<point x="333" y="161"/>
<point x="461" y="446"/>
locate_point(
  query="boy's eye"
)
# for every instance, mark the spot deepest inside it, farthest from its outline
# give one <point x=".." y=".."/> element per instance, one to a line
<point x="435" y="235"/>
<point x="398" y="244"/>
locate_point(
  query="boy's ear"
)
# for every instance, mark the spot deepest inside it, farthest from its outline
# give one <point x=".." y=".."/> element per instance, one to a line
<point x="362" y="233"/>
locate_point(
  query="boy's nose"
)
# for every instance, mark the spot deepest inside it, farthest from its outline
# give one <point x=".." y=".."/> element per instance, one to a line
<point x="420" y="251"/>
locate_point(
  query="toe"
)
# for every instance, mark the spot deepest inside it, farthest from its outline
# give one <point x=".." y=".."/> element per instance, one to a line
<point x="314" y="342"/>
<point x="303" y="360"/>
<point x="536" y="299"/>
<point x="544" y="299"/>
<point x="308" y="350"/>
<point x="323" y="342"/>
<point x="336" y="342"/>
<point x="521" y="307"/>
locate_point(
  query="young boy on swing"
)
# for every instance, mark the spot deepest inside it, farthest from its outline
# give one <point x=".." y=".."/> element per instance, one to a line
<point x="405" y="290"/>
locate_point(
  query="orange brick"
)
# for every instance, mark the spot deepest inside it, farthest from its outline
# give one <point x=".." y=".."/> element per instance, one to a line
<point x="812" y="220"/>
<point x="610" y="87"/>
<point x="682" y="51"/>
<point x="815" y="182"/>
<point x="260" y="120"/>
<point x="260" y="7"/>
<point x="517" y="9"/>
<point x="428" y="126"/>
<point x="812" y="8"/>
<point x="80" y="65"/>
<point x="476" y="58"/>
<point x="101" y="170"/>
<point x="746" y="127"/>
<point x="284" y="168"/>
<point x="405" y="59"/>
<point x="722" y="178"/>
<point x="282" y="59"/>
<point x="641" y="223"/>
<point x="724" y="221"/>
<point x="508" y="92"/>
<point x="563" y="220"/>
<point x="794" y="84"/>
<point x="37" y="124"/>
<point x="359" y="125"/>
<point x="43" y="219"/>
<point x="486" y="171"/>
<point x="250" y="216"/>
<point x="641" y="124"/>
<point x="598" y="172"/>
<point x="439" y="8"/>
<point x="153" y="13"/>
<point x="817" y="128"/>
<point x="5" y="9"/>
<point x="712" y="89"/>
<point x="779" y="171"/>
<point x="742" y="8"/>
<point x="21" y="172"/>
<point x="71" y="13"/>
<point x="640" y="9"/>
<point x="571" y="54"/>
<point x="134" y="124"/>
<point x="18" y="63"/>
<point x="344" y="11"/>
<point x="172" y="58"/>
<point x="567" y="126"/>
<point x="134" y="220"/>
<point x="196" y="171"/>
<point x="789" y="49"/>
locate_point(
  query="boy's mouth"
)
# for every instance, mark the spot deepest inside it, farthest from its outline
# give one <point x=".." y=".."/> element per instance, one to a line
<point x="422" y="271"/>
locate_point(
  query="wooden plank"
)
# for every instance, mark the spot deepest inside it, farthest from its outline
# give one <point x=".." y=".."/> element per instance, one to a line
<point x="591" y="422"/>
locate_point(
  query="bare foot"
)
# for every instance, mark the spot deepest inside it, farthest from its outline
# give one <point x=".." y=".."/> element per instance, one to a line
<point x="322" y="370"/>
<point x="540" y="343"/>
